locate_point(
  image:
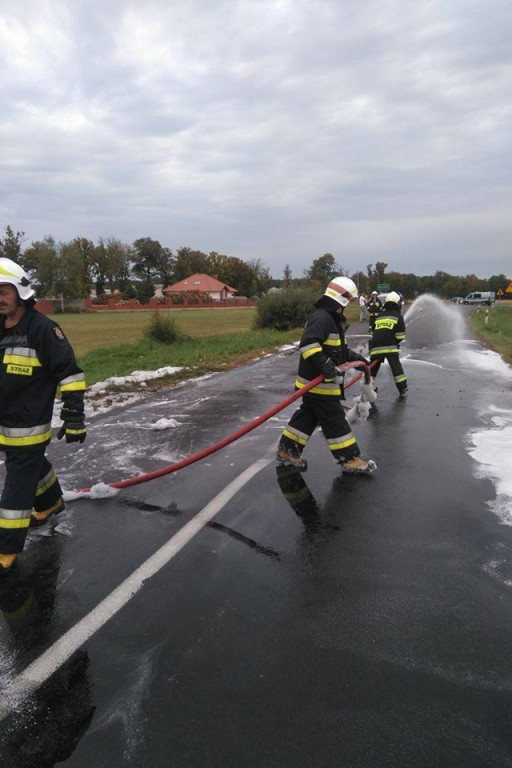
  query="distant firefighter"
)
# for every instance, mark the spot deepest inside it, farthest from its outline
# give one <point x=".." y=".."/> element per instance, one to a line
<point x="373" y="308"/>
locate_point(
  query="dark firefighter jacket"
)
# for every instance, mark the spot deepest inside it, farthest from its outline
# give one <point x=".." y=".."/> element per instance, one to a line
<point x="388" y="332"/>
<point x="35" y="360"/>
<point x="323" y="346"/>
<point x="374" y="307"/>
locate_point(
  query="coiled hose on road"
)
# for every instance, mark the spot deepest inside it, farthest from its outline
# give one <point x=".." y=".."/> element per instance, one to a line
<point x="241" y="432"/>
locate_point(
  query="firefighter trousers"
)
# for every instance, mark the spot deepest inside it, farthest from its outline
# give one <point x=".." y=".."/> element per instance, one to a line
<point x="396" y="369"/>
<point x="30" y="483"/>
<point x="329" y="415"/>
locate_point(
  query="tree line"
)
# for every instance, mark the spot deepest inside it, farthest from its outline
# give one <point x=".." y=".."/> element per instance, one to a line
<point x="442" y="284"/>
<point x="73" y="269"/>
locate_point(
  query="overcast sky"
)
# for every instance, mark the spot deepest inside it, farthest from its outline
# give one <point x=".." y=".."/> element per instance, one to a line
<point x="277" y="130"/>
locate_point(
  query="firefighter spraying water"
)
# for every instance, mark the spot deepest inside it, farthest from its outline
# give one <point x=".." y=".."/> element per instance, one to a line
<point x="388" y="334"/>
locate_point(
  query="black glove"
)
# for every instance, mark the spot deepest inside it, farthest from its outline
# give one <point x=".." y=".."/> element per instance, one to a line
<point x="73" y="428"/>
<point x="329" y="370"/>
<point x="356" y="356"/>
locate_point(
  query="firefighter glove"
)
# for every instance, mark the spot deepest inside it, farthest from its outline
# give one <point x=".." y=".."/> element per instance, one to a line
<point x="362" y="358"/>
<point x="73" y="428"/>
<point x="329" y="370"/>
<point x="340" y="377"/>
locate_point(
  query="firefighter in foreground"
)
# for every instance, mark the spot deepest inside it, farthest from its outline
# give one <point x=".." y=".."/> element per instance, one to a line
<point x="322" y="348"/>
<point x="388" y="334"/>
<point x="35" y="359"/>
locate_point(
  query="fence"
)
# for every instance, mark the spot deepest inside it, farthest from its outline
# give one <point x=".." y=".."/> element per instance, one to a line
<point x="51" y="306"/>
<point x="166" y="303"/>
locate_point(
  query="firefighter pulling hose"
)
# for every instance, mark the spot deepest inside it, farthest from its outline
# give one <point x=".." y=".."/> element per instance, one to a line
<point x="322" y="350"/>
<point x="368" y="395"/>
<point x="324" y="358"/>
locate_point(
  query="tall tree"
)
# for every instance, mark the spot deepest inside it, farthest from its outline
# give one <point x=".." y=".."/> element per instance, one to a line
<point x="249" y="278"/>
<point x="152" y="262"/>
<point x="380" y="271"/>
<point x="74" y="268"/>
<point x="42" y="262"/>
<point x="324" y="269"/>
<point x="189" y="262"/>
<point x="497" y="282"/>
<point x="261" y="274"/>
<point x="10" y="244"/>
<point x="110" y="264"/>
<point x="361" y="281"/>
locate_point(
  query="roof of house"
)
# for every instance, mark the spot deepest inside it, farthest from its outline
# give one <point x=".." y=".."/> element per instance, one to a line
<point x="199" y="282"/>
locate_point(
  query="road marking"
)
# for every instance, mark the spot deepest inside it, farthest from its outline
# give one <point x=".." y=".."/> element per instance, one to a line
<point x="57" y="654"/>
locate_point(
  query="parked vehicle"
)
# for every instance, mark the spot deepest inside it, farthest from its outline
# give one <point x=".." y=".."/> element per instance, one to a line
<point x="480" y="297"/>
<point x="457" y="300"/>
<point x="382" y="297"/>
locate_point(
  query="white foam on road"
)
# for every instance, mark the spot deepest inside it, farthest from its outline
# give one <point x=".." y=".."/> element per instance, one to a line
<point x="489" y="445"/>
<point x="98" y="491"/>
<point x="490" y="449"/>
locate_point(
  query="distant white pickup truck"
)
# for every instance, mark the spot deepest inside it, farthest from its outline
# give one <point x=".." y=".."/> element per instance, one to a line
<point x="480" y="297"/>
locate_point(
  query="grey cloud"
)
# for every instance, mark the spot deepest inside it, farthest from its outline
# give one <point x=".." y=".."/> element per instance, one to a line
<point x="271" y="129"/>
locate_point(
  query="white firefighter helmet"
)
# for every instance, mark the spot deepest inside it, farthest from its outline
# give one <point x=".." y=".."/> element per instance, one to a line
<point x="12" y="273"/>
<point x="394" y="297"/>
<point x="375" y="293"/>
<point x="342" y="290"/>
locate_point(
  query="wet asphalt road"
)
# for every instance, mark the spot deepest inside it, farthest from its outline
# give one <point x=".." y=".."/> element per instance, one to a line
<point x="313" y="620"/>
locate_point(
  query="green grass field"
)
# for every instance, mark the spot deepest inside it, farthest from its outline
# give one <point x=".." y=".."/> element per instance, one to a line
<point x="96" y="330"/>
<point x="113" y="343"/>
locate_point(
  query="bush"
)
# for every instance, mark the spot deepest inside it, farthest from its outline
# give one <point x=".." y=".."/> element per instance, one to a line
<point x="144" y="291"/>
<point x="285" y="309"/>
<point x="127" y="290"/>
<point x="162" y="328"/>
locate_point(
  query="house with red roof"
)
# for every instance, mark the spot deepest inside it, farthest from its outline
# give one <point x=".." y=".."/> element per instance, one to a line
<point x="217" y="290"/>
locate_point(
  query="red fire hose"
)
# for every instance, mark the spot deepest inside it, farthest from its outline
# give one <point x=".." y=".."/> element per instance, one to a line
<point x="243" y="431"/>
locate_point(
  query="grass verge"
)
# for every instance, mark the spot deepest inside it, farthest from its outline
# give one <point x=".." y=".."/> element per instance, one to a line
<point x="196" y="356"/>
<point x="496" y="333"/>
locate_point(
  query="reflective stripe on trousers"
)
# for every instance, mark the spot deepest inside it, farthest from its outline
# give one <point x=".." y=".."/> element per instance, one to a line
<point x="30" y="483"/>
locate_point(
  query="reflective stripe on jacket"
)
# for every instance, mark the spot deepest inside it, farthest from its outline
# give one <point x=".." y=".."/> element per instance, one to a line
<point x="388" y="333"/>
<point x="35" y="360"/>
<point x="323" y="340"/>
<point x="374" y="307"/>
